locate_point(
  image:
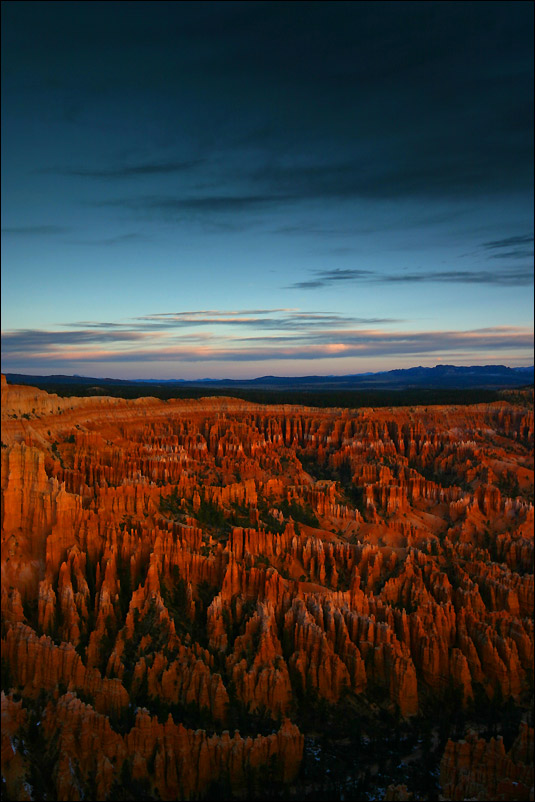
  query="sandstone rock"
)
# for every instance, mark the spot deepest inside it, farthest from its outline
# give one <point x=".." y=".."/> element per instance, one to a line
<point x="184" y="554"/>
<point x="479" y="769"/>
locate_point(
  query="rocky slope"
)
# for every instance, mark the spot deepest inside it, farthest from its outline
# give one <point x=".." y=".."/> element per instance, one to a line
<point x="219" y="564"/>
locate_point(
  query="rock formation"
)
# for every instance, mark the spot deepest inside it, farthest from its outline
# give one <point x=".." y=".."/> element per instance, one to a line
<point x="213" y="562"/>
<point x="477" y="769"/>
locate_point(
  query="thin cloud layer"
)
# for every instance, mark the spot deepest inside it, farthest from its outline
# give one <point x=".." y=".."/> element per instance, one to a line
<point x="36" y="230"/>
<point x="165" y="324"/>
<point x="93" y="345"/>
<point x="501" y="276"/>
<point x="28" y="339"/>
<point x="511" y="248"/>
<point x="280" y="319"/>
<point x="509" y="242"/>
<point x="128" y="171"/>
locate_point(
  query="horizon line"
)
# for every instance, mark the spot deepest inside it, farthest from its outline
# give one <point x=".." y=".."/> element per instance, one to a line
<point x="270" y="376"/>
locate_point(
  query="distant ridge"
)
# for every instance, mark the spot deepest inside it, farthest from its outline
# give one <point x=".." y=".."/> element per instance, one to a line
<point x="439" y="377"/>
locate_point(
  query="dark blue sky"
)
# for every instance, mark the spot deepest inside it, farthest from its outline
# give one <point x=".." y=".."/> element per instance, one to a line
<point x="235" y="189"/>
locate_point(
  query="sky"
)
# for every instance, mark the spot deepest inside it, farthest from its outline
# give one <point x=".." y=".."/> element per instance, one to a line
<point x="239" y="189"/>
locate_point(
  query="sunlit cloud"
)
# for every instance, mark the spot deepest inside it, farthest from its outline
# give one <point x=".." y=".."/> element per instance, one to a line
<point x="89" y="347"/>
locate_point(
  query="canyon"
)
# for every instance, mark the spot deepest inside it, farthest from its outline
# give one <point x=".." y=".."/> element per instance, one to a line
<point x="216" y="599"/>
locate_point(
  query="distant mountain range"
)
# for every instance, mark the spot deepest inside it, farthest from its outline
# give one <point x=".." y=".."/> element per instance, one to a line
<point x="439" y="377"/>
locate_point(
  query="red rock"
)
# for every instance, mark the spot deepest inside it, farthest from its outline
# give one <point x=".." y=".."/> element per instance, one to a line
<point x="15" y="765"/>
<point x="139" y="556"/>
<point x="479" y="769"/>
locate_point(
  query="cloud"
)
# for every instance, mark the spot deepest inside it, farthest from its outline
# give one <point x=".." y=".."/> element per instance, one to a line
<point x="327" y="277"/>
<point x="313" y="284"/>
<point x="434" y="98"/>
<point x="169" y="207"/>
<point x="34" y="230"/>
<point x="373" y="175"/>
<point x="509" y="248"/>
<point x="128" y="171"/>
<point x="30" y="347"/>
<point x="169" y="319"/>
<point x="307" y="228"/>
<point x="519" y="253"/>
<point x="171" y="330"/>
<point x="276" y="186"/>
<point x="118" y="240"/>
<point x="502" y="276"/>
<point x="28" y="339"/>
<point x="282" y="319"/>
<point x="94" y="324"/>
<point x="365" y="117"/>
<point x="508" y="242"/>
<point x="215" y="313"/>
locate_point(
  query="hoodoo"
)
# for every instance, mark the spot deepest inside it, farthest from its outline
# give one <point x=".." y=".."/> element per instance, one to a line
<point x="197" y="593"/>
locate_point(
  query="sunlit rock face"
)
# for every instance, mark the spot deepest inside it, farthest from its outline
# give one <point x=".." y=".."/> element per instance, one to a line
<point x="173" y="572"/>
